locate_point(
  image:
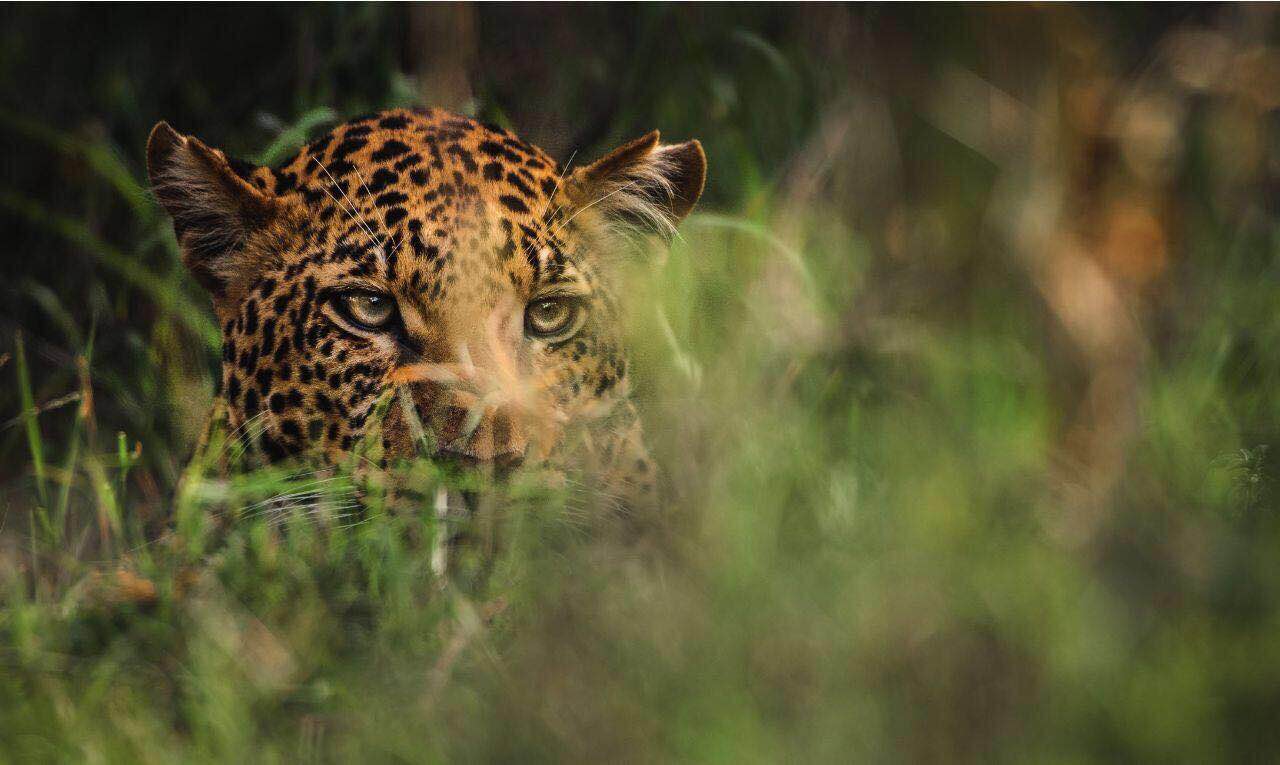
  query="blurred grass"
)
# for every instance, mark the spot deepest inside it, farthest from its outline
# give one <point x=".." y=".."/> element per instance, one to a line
<point x="963" y="379"/>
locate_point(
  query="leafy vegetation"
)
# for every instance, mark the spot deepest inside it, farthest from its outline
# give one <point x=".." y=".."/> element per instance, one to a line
<point x="963" y="380"/>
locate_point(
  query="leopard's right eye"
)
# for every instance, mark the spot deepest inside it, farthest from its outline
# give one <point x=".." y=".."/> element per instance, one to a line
<point x="553" y="318"/>
<point x="367" y="310"/>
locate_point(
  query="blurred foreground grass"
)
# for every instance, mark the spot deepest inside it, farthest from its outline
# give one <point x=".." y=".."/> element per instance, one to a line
<point x="963" y="382"/>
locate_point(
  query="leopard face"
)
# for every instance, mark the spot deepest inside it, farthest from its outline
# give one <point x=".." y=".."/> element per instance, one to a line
<point x="421" y="256"/>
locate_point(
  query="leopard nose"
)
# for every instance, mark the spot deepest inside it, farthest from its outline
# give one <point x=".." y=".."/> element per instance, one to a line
<point x="497" y="437"/>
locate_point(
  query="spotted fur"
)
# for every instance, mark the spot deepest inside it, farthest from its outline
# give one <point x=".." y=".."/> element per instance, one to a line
<point x="463" y="225"/>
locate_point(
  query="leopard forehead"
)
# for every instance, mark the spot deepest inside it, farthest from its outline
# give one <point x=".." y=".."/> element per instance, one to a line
<point x="430" y="201"/>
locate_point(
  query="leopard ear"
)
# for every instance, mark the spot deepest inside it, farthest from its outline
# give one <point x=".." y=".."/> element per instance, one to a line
<point x="644" y="184"/>
<point x="214" y="206"/>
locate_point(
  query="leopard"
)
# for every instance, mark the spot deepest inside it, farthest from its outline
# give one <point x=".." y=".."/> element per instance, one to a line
<point x="423" y="257"/>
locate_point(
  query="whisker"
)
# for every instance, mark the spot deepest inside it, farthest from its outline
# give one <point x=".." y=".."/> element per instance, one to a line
<point x="313" y="510"/>
<point x="249" y="434"/>
<point x="578" y="212"/>
<point x="559" y="182"/>
<point x="545" y="215"/>
<point x="354" y="212"/>
<point x="382" y="255"/>
<point x="231" y="439"/>
<point x="306" y="506"/>
<point x="231" y="436"/>
<point x="351" y="212"/>
<point x="303" y="489"/>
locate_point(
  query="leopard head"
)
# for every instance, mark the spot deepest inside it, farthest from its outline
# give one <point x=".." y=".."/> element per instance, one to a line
<point x="426" y="258"/>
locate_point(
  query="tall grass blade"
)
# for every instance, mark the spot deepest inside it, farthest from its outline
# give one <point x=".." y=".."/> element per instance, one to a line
<point x="35" y="443"/>
<point x="159" y="289"/>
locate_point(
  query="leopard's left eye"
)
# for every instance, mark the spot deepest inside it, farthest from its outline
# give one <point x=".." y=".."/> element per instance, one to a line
<point x="369" y="310"/>
<point x="553" y="318"/>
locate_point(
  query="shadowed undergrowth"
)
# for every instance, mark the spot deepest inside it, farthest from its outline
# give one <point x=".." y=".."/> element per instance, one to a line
<point x="963" y="385"/>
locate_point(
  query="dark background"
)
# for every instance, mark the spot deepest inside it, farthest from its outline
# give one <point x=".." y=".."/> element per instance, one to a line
<point x="963" y="377"/>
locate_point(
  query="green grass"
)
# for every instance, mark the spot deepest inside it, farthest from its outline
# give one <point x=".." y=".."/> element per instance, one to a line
<point x="960" y="465"/>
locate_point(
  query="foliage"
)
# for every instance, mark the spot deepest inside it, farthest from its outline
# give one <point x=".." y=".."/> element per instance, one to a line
<point x="963" y="381"/>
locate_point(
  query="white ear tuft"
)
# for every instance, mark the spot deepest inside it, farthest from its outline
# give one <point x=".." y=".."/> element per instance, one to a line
<point x="643" y="185"/>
